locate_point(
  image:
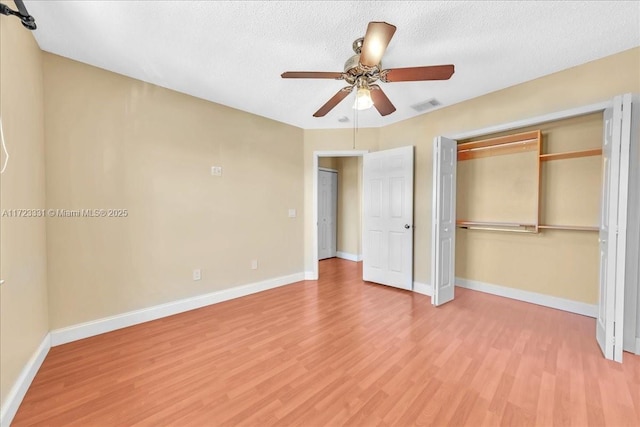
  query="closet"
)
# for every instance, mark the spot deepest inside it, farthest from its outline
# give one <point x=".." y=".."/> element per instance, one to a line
<point x="528" y="208"/>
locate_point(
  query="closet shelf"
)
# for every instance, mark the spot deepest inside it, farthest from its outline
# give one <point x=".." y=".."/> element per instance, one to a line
<point x="570" y="227"/>
<point x="510" y="144"/>
<point x="570" y="154"/>
<point x="515" y="227"/>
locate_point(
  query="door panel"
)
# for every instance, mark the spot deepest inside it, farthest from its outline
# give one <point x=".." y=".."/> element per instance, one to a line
<point x="443" y="220"/>
<point x="613" y="227"/>
<point x="388" y="217"/>
<point x="604" y="324"/>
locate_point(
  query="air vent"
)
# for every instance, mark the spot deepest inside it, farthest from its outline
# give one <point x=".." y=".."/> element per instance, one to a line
<point x="426" y="105"/>
<point x="343" y="119"/>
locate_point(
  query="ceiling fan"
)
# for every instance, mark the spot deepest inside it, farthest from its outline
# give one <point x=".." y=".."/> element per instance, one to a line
<point x="363" y="69"/>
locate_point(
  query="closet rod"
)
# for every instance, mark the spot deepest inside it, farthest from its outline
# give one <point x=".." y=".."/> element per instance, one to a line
<point x="475" y="227"/>
<point x="494" y="223"/>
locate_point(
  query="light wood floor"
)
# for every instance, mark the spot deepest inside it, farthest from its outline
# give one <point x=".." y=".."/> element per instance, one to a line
<point x="341" y="352"/>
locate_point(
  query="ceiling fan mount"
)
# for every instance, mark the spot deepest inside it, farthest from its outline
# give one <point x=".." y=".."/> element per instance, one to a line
<point x="354" y="71"/>
<point x="364" y="68"/>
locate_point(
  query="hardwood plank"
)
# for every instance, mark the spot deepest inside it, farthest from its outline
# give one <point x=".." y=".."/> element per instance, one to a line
<point x="340" y="351"/>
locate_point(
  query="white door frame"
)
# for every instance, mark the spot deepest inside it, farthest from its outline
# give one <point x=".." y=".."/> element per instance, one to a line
<point x="314" y="201"/>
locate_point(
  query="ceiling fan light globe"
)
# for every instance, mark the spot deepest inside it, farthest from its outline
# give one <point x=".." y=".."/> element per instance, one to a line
<point x="363" y="99"/>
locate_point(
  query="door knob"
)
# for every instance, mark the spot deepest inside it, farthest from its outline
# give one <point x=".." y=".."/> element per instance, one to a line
<point x="407" y="226"/>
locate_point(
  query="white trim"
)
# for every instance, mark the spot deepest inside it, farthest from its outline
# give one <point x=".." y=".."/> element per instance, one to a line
<point x="314" y="201"/>
<point x="348" y="256"/>
<point x="112" y="323"/>
<point x="310" y="275"/>
<point x="545" y="118"/>
<point x="577" y="307"/>
<point x="621" y="222"/>
<point x="632" y="275"/>
<point x="20" y="387"/>
<point x="422" y="288"/>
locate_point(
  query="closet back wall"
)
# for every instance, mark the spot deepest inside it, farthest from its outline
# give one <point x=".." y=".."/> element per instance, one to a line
<point x="559" y="263"/>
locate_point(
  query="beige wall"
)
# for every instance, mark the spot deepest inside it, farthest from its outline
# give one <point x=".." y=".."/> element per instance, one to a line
<point x="349" y="205"/>
<point x="115" y="142"/>
<point x="328" y="162"/>
<point x="327" y="140"/>
<point x="23" y="263"/>
<point x="589" y="83"/>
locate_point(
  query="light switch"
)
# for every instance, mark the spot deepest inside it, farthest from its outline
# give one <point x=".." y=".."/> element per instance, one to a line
<point x="292" y="213"/>
<point x="216" y="170"/>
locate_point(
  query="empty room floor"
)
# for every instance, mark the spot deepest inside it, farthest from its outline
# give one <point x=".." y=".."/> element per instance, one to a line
<point x="341" y="351"/>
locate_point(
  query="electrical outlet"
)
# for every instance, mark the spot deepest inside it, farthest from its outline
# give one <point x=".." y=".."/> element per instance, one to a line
<point x="216" y="170"/>
<point x="197" y="274"/>
<point x="254" y="264"/>
<point x="292" y="213"/>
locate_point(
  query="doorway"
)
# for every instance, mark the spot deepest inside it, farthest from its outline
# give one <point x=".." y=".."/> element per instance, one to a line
<point x="346" y="168"/>
<point x="386" y="216"/>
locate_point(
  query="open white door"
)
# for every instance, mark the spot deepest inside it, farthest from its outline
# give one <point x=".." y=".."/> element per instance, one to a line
<point x="387" y="218"/>
<point x="443" y="219"/>
<point x="613" y="227"/>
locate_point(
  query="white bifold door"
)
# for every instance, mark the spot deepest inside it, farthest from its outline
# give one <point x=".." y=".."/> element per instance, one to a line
<point x="327" y="213"/>
<point x="443" y="220"/>
<point x="613" y="226"/>
<point x="387" y="219"/>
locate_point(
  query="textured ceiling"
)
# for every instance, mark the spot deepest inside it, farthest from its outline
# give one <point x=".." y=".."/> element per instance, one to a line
<point x="233" y="53"/>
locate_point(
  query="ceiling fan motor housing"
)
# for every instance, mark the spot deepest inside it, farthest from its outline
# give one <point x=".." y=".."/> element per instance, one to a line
<point x="355" y="72"/>
<point x="352" y="63"/>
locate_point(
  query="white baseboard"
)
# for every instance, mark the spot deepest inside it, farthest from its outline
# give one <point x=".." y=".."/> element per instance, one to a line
<point x="20" y="387"/>
<point x="112" y="323"/>
<point x="422" y="288"/>
<point x="310" y="275"/>
<point x="577" y="307"/>
<point x="350" y="257"/>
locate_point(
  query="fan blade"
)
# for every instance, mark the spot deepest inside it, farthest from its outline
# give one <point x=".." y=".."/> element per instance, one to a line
<point x="380" y="101"/>
<point x="312" y="75"/>
<point x="414" y="74"/>
<point x="335" y="100"/>
<point x="375" y="42"/>
<point x="21" y="8"/>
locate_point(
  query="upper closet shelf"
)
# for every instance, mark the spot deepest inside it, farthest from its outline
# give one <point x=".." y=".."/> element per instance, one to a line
<point x="510" y="144"/>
